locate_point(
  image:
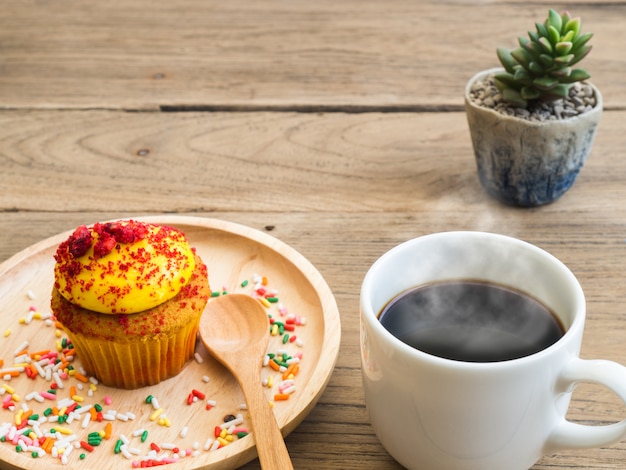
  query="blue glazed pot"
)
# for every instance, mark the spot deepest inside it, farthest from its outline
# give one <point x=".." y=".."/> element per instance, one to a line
<point x="526" y="163"/>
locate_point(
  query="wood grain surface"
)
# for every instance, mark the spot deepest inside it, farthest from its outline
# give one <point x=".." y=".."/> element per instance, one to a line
<point x="336" y="127"/>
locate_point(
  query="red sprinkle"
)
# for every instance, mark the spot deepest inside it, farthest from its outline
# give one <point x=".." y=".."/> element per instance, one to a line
<point x="154" y="446"/>
<point x="217" y="431"/>
<point x="86" y="446"/>
<point x="199" y="394"/>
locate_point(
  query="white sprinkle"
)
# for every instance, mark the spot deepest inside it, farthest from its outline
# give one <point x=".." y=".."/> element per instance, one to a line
<point x="215" y="445"/>
<point x="124" y="439"/>
<point x="243" y="406"/>
<point x="168" y="446"/>
<point x="138" y="432"/>
<point x="211" y="402"/>
<point x="235" y="422"/>
<point x="155" y="403"/>
<point x="207" y="444"/>
<point x="64" y="403"/>
<point x="31" y="295"/>
<point x="86" y="420"/>
<point x="131" y="416"/>
<point x="125" y="452"/>
<point x="183" y="432"/>
<point x="122" y="417"/>
<point x="198" y="358"/>
<point x="205" y="379"/>
<point x="21" y="348"/>
<point x="57" y="379"/>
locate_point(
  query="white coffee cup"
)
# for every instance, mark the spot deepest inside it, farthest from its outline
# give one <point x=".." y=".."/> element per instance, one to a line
<point x="432" y="413"/>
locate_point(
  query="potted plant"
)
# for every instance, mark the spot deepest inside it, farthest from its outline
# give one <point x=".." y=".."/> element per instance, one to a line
<point x="533" y="121"/>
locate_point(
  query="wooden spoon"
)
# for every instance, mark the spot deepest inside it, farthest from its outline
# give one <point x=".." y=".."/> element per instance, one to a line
<point x="235" y="330"/>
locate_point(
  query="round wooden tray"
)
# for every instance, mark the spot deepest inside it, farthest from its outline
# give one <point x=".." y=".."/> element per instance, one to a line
<point x="233" y="254"/>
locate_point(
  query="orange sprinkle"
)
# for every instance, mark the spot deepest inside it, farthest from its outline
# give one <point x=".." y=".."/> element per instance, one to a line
<point x="281" y="396"/>
<point x="69" y="352"/>
<point x="47" y="444"/>
<point x="11" y="373"/>
<point x="264" y="280"/>
<point x="290" y="370"/>
<point x="81" y="377"/>
<point x="274" y="365"/>
<point x="21" y="353"/>
<point x="1" y="362"/>
<point x="94" y="413"/>
<point x="108" y="429"/>
<point x="55" y="411"/>
<point x="38" y="354"/>
<point x="72" y="391"/>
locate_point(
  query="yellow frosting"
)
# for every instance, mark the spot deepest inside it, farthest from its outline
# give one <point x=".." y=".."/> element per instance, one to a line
<point x="103" y="270"/>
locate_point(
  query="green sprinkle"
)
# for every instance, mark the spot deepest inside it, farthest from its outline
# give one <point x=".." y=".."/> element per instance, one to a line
<point x="34" y="454"/>
<point x="270" y="355"/>
<point x="144" y="436"/>
<point x="34" y="417"/>
<point x="272" y="299"/>
<point x="149" y="399"/>
<point x="18" y="449"/>
<point x="118" y="446"/>
<point x="98" y="407"/>
<point x="285" y="338"/>
<point x="53" y="391"/>
<point x="224" y="292"/>
<point x="82" y="456"/>
<point x="241" y="434"/>
<point x="94" y="434"/>
<point x="244" y="283"/>
<point x="215" y="294"/>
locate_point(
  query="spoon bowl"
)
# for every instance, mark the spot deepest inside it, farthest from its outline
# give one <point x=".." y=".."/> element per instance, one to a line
<point x="235" y="330"/>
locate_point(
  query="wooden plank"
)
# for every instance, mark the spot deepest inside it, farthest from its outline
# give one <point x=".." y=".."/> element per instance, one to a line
<point x="329" y="55"/>
<point x="116" y="161"/>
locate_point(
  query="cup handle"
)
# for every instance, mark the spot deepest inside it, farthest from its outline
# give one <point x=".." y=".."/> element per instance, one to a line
<point x="568" y="435"/>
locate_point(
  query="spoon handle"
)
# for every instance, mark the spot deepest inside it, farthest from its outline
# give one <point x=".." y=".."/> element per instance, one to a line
<point x="270" y="444"/>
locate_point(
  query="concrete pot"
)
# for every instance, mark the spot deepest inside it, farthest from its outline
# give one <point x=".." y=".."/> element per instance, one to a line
<point x="527" y="163"/>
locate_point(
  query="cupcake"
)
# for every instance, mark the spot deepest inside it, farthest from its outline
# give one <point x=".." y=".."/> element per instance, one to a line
<point x="130" y="295"/>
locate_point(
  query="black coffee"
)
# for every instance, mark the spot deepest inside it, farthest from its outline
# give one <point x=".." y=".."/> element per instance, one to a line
<point x="471" y="321"/>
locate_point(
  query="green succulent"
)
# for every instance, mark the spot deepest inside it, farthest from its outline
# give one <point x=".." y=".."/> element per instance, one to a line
<point x="541" y="68"/>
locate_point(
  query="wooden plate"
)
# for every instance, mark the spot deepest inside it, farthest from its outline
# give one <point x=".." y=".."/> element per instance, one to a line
<point x="233" y="254"/>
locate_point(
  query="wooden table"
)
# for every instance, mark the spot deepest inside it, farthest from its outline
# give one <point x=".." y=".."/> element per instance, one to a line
<point x="337" y="127"/>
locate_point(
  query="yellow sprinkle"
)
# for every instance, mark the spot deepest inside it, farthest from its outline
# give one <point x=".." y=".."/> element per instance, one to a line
<point x="58" y="334"/>
<point x="274" y="329"/>
<point x="102" y="433"/>
<point x="16" y="397"/>
<point x="63" y="430"/>
<point x="156" y="414"/>
<point x="8" y="388"/>
<point x="229" y="438"/>
<point x="18" y="417"/>
<point x="270" y="381"/>
<point x="59" y="346"/>
<point x="7" y="332"/>
<point x="93" y="387"/>
<point x="62" y="411"/>
<point x="21" y="364"/>
<point x="272" y="404"/>
<point x="78" y="398"/>
<point x="165" y="422"/>
<point x="266" y="303"/>
<point x="32" y="435"/>
<point x="22" y="321"/>
<point x="223" y="441"/>
<point x="37" y="315"/>
<point x="223" y="433"/>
